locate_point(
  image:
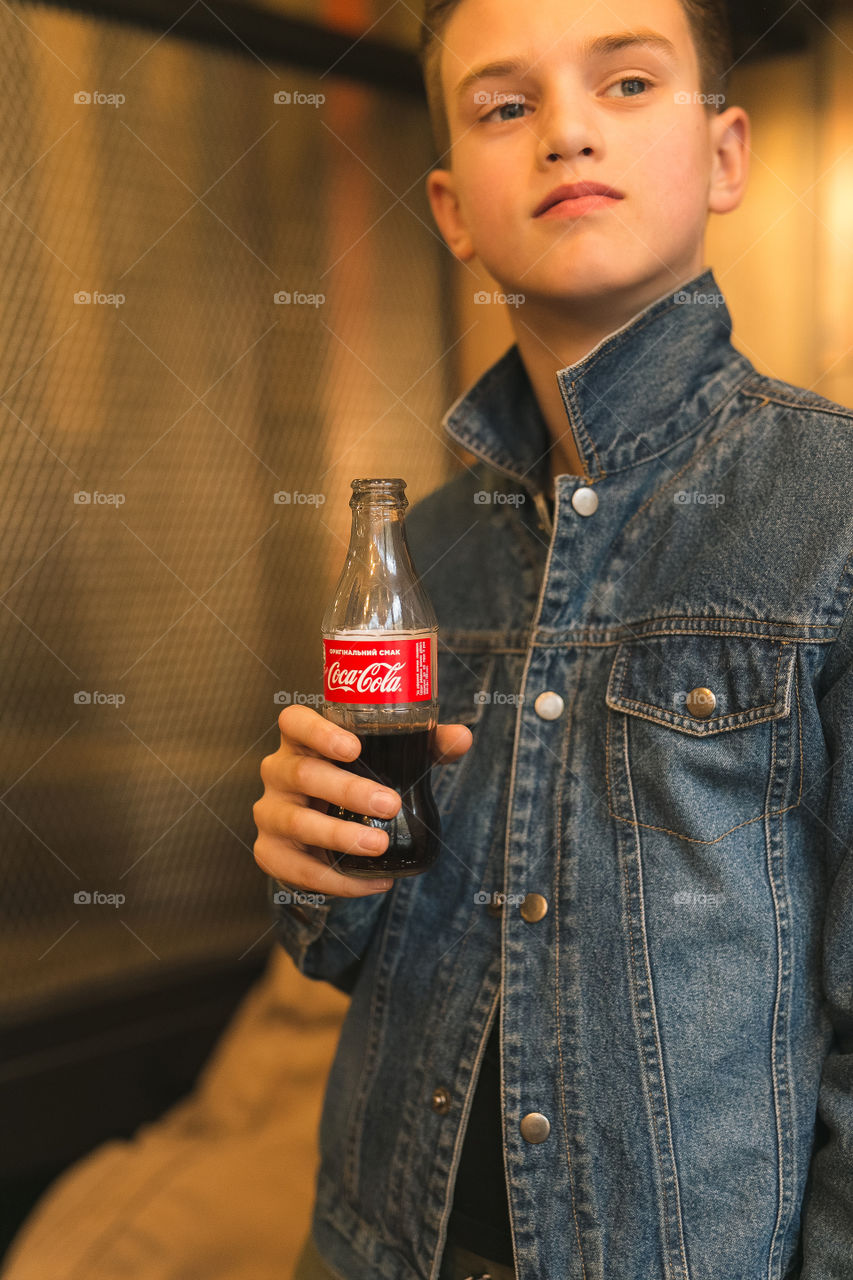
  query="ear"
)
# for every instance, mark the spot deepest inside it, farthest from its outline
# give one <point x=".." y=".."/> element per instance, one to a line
<point x="441" y="190"/>
<point x="730" y="138"/>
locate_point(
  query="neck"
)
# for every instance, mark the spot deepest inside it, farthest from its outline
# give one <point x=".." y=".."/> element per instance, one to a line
<point x="551" y="337"/>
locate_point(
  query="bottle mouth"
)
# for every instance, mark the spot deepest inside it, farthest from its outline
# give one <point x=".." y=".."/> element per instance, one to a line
<point x="381" y="494"/>
<point x="377" y="486"/>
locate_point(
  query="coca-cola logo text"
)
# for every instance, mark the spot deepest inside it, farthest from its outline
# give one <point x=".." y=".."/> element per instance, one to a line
<point x="379" y="677"/>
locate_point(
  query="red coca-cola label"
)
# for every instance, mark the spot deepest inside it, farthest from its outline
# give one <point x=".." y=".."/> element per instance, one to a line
<point x="377" y="672"/>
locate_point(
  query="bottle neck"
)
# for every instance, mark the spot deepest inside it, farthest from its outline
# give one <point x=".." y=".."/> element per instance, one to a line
<point x="378" y="538"/>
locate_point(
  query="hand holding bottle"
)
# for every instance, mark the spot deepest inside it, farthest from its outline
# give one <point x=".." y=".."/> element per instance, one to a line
<point x="308" y="774"/>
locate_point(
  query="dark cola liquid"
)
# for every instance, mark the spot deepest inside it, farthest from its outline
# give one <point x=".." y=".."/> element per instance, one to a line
<point x="401" y="761"/>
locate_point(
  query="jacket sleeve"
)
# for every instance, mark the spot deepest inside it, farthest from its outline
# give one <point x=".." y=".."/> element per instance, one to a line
<point x="325" y="939"/>
<point x="827" y="1221"/>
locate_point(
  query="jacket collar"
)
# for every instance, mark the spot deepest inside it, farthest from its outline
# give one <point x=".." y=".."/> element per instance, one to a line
<point x="641" y="390"/>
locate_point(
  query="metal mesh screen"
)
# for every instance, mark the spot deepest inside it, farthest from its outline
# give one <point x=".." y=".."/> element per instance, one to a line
<point x="159" y="391"/>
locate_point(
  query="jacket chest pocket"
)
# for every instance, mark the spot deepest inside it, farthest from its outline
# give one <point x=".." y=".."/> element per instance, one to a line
<point x="700" y="734"/>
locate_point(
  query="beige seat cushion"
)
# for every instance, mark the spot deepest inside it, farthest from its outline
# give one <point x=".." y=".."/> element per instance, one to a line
<point x="220" y="1186"/>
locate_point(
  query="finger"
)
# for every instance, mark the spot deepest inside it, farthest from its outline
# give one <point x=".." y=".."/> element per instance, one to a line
<point x="301" y="726"/>
<point x="310" y="776"/>
<point x="451" y="742"/>
<point x="312" y="829"/>
<point x="304" y="871"/>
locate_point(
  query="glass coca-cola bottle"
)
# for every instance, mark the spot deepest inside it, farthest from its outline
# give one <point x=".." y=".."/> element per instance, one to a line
<point x="380" y="638"/>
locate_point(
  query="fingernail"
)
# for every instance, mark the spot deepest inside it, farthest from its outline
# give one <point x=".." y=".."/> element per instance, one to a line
<point x="371" y="840"/>
<point x="382" y="803"/>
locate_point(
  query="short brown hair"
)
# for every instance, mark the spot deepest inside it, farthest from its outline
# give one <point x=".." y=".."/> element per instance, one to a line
<point x="709" y="27"/>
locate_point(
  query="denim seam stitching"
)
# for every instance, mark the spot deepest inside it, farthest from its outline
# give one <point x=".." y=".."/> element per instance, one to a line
<point x="780" y="1004"/>
<point x="558" y="877"/>
<point x="653" y="1020"/>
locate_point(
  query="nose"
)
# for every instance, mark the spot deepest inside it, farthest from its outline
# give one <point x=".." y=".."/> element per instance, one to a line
<point x="566" y="129"/>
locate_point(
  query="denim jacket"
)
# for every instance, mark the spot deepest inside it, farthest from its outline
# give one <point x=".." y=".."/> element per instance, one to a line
<point x="646" y="869"/>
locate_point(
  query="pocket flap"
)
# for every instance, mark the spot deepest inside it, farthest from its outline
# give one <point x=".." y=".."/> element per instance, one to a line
<point x="667" y="679"/>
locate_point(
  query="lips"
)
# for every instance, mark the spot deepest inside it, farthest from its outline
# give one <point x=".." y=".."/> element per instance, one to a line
<point x="575" y="191"/>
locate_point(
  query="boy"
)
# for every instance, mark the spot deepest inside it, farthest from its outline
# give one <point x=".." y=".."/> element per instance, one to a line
<point x="610" y="1035"/>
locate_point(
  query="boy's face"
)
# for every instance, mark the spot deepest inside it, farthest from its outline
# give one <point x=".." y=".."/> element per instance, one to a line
<point x="631" y="119"/>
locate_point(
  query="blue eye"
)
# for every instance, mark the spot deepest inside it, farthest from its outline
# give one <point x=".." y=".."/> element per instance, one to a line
<point x="513" y="106"/>
<point x="636" y="86"/>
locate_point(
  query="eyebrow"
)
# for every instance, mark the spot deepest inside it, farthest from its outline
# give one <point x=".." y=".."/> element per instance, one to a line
<point x="600" y="47"/>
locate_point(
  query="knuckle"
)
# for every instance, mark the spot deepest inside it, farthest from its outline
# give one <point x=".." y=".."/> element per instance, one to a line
<point x="301" y="771"/>
<point x="267" y="770"/>
<point x="286" y="718"/>
<point x="357" y="795"/>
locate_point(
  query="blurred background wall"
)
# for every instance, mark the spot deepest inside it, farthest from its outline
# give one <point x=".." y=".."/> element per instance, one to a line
<point x="224" y="297"/>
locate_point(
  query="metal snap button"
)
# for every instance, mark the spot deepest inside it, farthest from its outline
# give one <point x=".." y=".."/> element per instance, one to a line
<point x="495" y="905"/>
<point x="585" y="501"/>
<point x="549" y="706"/>
<point x="535" y="1127"/>
<point x="441" y="1100"/>
<point x="700" y="703"/>
<point x="534" y="908"/>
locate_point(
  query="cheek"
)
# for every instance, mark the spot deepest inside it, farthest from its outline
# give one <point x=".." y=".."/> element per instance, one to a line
<point x="674" y="184"/>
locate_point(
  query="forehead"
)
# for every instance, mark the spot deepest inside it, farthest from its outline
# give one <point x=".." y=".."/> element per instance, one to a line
<point x="550" y="31"/>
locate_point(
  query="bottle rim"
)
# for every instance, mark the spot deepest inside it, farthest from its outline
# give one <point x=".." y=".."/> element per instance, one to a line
<point x="358" y="486"/>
